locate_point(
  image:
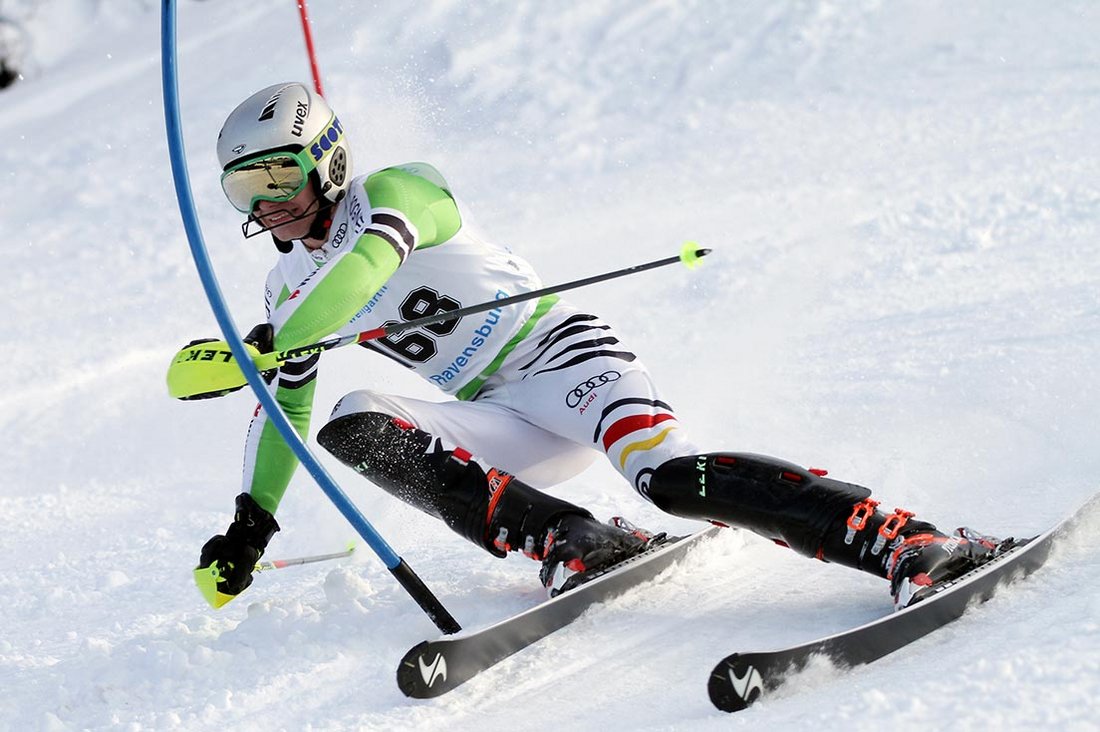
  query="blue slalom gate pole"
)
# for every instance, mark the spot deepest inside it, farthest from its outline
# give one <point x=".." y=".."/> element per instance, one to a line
<point x="397" y="566"/>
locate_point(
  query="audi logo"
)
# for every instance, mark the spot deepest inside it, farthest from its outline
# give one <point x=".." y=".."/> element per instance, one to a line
<point x="573" y="398"/>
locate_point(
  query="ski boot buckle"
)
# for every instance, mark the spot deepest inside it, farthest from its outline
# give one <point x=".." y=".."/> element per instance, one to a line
<point x="890" y="528"/>
<point x="861" y="514"/>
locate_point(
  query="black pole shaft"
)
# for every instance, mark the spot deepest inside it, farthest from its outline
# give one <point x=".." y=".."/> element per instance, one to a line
<point x="425" y="599"/>
<point x="395" y="328"/>
<point x="532" y="295"/>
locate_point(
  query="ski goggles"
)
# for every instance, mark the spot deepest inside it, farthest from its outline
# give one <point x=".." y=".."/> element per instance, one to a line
<point x="272" y="177"/>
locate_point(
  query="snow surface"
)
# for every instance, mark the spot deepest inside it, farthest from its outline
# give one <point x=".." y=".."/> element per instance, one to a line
<point x="903" y="201"/>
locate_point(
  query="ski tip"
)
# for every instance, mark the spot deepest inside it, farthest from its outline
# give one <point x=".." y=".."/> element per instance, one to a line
<point x="423" y="673"/>
<point x="735" y="684"/>
<point x="691" y="253"/>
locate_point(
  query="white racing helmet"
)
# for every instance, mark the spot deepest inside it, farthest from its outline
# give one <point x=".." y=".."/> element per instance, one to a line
<point x="276" y="141"/>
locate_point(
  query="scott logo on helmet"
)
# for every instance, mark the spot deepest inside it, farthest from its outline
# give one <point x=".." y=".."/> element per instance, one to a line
<point x="326" y="140"/>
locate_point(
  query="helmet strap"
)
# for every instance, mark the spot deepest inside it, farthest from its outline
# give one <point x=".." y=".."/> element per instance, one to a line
<point x="321" y="225"/>
<point x="322" y="221"/>
<point x="284" y="247"/>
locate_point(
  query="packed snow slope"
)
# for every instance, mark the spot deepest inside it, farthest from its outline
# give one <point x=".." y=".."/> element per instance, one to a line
<point x="902" y="199"/>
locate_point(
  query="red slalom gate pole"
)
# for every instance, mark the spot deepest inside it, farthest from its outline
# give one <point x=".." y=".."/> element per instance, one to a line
<point x="307" y="31"/>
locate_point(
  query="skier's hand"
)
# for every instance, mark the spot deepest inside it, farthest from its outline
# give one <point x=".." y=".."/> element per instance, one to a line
<point x="234" y="561"/>
<point x="228" y="560"/>
<point x="263" y="338"/>
<point x="205" y="368"/>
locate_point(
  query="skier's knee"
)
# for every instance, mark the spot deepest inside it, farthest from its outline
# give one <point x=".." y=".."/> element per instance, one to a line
<point x="365" y="442"/>
<point x="409" y="464"/>
<point x="365" y="400"/>
<point x="490" y="508"/>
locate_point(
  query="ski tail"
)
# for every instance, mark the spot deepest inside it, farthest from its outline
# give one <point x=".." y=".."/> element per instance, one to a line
<point x="736" y="683"/>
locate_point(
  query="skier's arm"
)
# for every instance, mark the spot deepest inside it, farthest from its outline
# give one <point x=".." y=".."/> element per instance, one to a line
<point x="269" y="461"/>
<point x="405" y="212"/>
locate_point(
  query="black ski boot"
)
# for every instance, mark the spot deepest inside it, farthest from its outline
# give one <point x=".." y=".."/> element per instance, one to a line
<point x="492" y="508"/>
<point x="924" y="562"/>
<point x="819" y="517"/>
<point x="579" y="548"/>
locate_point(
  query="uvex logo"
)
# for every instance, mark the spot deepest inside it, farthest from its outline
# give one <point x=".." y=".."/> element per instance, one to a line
<point x="300" y="114"/>
<point x="436" y="669"/>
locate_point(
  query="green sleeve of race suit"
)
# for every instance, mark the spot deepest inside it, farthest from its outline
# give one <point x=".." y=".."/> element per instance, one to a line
<point x="275" y="461"/>
<point x="424" y="213"/>
<point x="431" y="217"/>
<point x="427" y="206"/>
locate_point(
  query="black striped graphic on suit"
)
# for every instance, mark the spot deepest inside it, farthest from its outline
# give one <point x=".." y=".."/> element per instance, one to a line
<point x="385" y="225"/>
<point x="296" y="374"/>
<point x="551" y="347"/>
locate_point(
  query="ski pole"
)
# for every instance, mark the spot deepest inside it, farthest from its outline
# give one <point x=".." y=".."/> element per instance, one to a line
<point x="689" y="255"/>
<point x="281" y="563"/>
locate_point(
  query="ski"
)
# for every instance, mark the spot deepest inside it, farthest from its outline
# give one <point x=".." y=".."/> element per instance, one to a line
<point x="741" y="679"/>
<point x="432" y="668"/>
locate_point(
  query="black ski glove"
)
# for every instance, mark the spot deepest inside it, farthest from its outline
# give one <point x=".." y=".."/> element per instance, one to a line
<point x="263" y="338"/>
<point x="237" y="551"/>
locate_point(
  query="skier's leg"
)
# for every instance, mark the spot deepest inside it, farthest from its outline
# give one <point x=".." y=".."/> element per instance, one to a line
<point x="490" y="507"/>
<point x="582" y="383"/>
<point x="818" y="517"/>
<point x="495" y="433"/>
<point x="575" y="379"/>
<point x="579" y="381"/>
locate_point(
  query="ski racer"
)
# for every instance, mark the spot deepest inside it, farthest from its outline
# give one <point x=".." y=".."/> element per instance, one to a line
<point x="537" y="390"/>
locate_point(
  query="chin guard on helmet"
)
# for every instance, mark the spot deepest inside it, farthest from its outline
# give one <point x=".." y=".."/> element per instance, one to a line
<point x="254" y="224"/>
